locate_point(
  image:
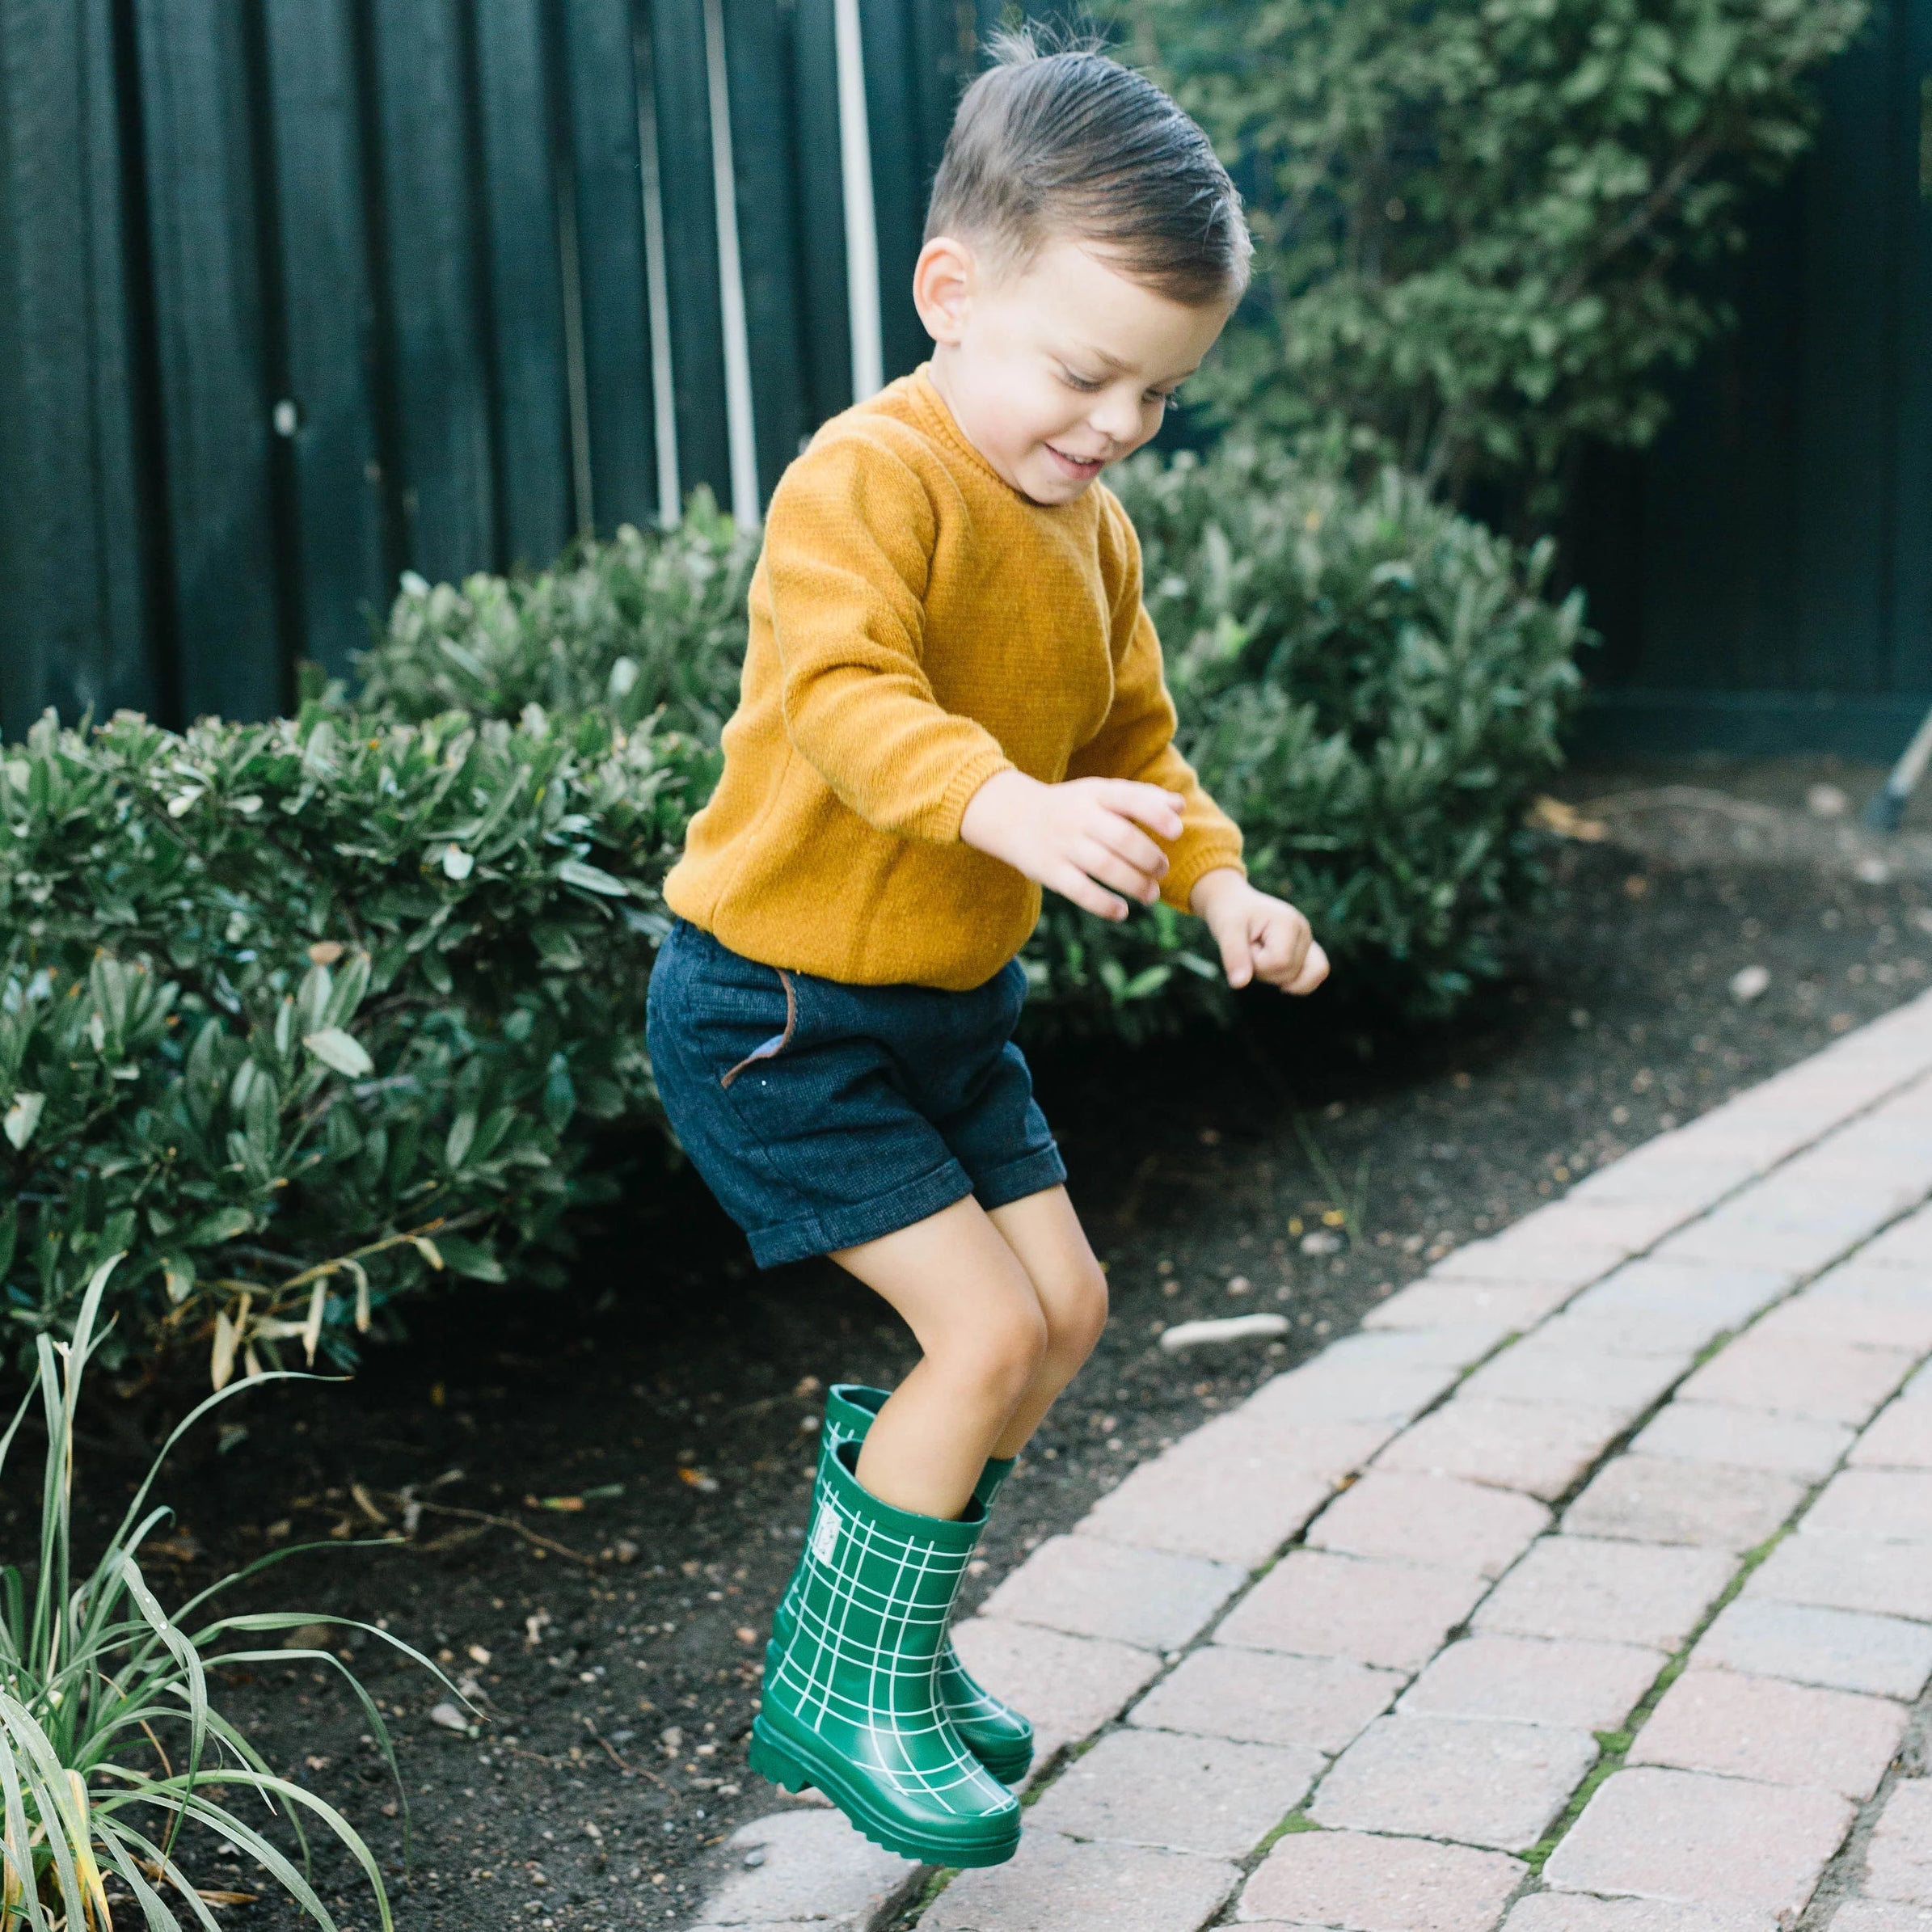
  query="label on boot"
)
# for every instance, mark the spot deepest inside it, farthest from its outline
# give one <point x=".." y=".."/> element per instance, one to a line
<point x="825" y="1532"/>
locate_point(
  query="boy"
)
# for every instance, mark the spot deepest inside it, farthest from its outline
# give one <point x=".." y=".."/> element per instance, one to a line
<point x="952" y="697"/>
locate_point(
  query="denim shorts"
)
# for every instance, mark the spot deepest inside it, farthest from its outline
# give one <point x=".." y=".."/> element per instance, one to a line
<point x="822" y="1115"/>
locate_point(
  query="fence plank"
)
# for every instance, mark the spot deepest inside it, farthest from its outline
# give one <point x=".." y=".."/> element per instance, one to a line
<point x="756" y="39"/>
<point x="1909" y="667"/>
<point x="430" y="226"/>
<point x="825" y="321"/>
<point x="898" y="194"/>
<point x="684" y="160"/>
<point x="611" y="260"/>
<point x="329" y="327"/>
<point x="526" y="288"/>
<point x="208" y="315"/>
<point x="76" y="634"/>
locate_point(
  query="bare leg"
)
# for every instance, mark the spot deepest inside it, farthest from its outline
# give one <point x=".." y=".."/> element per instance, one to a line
<point x="1045" y="1235"/>
<point x="978" y="1317"/>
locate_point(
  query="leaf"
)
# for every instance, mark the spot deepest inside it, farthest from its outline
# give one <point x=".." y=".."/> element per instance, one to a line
<point x="23" y="1117"/>
<point x="573" y="871"/>
<point x="470" y="1257"/>
<point x="339" y="1050"/>
<point x="228" y="1335"/>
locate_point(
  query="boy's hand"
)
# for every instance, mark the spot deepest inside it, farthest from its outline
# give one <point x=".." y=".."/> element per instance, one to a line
<point x="1077" y="838"/>
<point x="1261" y="936"/>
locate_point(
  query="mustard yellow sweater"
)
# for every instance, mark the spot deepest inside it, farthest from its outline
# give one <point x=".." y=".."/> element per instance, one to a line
<point x="917" y="625"/>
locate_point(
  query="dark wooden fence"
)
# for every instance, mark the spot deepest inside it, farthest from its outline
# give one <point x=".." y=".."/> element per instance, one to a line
<point x="295" y="294"/>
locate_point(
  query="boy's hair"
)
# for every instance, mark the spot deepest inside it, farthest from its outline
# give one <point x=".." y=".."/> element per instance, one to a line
<point x="1072" y="144"/>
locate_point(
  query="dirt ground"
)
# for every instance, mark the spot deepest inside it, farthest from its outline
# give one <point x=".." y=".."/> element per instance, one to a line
<point x="612" y="1484"/>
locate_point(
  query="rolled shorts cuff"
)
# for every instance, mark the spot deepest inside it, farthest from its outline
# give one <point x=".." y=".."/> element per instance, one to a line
<point x="865" y="1220"/>
<point x="1032" y="1173"/>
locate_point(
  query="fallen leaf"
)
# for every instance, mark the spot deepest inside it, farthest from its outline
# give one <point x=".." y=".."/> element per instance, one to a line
<point x="1548" y="814"/>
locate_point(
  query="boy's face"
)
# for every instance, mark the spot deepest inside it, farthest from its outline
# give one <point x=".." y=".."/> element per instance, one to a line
<point x="1061" y="369"/>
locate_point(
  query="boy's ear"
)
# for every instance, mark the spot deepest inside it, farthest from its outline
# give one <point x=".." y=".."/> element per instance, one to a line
<point x="944" y="278"/>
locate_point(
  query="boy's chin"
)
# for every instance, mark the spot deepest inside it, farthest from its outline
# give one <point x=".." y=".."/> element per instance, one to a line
<point x="1045" y="483"/>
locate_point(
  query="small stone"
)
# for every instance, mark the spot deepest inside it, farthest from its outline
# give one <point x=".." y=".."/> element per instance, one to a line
<point x="1533" y="1681"/>
<point x="1091" y="1589"/>
<point x="813" y="1865"/>
<point x="1052" y="1882"/>
<point x="1202" y="1795"/>
<point x="1650" y="1499"/>
<point x="1318" y="1604"/>
<point x="1677" y="1835"/>
<point x="1749" y="983"/>
<point x="1493" y="1785"/>
<point x="448" y="1718"/>
<point x="1229" y="1330"/>
<point x="1362" y="1883"/>
<point x="1840" y="1650"/>
<point x="1433" y="1520"/>
<point x="1777" y="1733"/>
<point x="1898" y="1862"/>
<point x="1712" y="1432"/>
<point x="1257" y="1697"/>
<point x="1576" y="1586"/>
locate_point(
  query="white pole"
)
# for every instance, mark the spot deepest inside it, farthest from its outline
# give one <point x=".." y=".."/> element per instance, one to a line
<point x="740" y="433"/>
<point x="657" y="285"/>
<point x="861" y="230"/>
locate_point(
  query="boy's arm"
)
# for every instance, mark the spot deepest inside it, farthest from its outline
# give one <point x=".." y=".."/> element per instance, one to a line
<point x="1137" y="741"/>
<point x="847" y="547"/>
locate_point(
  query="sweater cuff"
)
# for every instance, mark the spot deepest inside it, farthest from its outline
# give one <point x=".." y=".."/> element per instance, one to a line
<point x="974" y="773"/>
<point x="1186" y="873"/>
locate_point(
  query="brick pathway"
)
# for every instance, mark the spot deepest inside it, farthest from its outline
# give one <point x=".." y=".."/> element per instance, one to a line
<point x="1587" y="1589"/>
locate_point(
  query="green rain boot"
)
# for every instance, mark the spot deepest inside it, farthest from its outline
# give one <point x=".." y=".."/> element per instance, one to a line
<point x="850" y="1702"/>
<point x="995" y="1733"/>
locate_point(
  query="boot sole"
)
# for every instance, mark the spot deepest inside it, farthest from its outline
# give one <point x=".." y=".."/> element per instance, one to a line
<point x="1009" y="1766"/>
<point x="790" y="1767"/>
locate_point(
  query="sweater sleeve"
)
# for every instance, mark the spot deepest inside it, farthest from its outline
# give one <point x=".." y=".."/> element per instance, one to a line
<point x="1136" y="739"/>
<point x="848" y="546"/>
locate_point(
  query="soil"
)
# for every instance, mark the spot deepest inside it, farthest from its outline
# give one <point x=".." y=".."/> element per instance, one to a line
<point x="614" y="1482"/>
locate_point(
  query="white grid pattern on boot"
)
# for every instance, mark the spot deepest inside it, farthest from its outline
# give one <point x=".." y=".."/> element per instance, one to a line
<point x="900" y="1688"/>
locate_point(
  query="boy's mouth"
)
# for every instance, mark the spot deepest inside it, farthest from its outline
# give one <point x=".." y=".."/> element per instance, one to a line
<point x="1084" y="469"/>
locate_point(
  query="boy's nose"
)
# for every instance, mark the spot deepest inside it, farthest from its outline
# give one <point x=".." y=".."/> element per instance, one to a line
<point x="1116" y="417"/>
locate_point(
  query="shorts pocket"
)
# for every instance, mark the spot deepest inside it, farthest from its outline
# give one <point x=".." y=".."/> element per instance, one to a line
<point x="776" y="1044"/>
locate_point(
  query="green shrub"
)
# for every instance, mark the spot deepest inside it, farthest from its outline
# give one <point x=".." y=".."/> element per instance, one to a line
<point x="294" y="1012"/>
<point x="1485" y="226"/>
<point x="1372" y="687"/>
<point x="629" y="626"/>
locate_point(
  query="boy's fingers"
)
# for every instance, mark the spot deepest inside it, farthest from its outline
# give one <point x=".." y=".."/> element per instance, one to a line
<point x="1152" y="805"/>
<point x="1314" y="969"/>
<point x="1236" y="956"/>
<point x="1121" y="837"/>
<point x="1072" y="884"/>
<point x="1102" y="863"/>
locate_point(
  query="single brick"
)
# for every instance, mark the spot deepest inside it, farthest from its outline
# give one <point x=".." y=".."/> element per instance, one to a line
<point x="1430" y="1303"/>
<point x="1438" y="1344"/>
<point x="1880" y="1505"/>
<point x="1317" y="1605"/>
<point x="1354" y="1389"/>
<point x="1054" y="1881"/>
<point x="1089" y="1588"/>
<point x="1906" y="1243"/>
<point x="1898" y="1862"/>
<point x="1586" y="1328"/>
<point x="1858" y="1309"/>
<point x="1202" y="1795"/>
<point x="1777" y="1733"/>
<point x="1437" y="1520"/>
<point x="1862" y="1915"/>
<point x="1068" y="1686"/>
<point x="1497" y="1785"/>
<point x="1536" y="1370"/>
<point x="811" y="1866"/>
<point x="1569" y="1265"/>
<point x="1210" y="1509"/>
<point x="1360" y="1883"/>
<point x="1535" y="1681"/>
<point x="1652" y="1499"/>
<point x="1574" y="1586"/>
<point x="1830" y="1380"/>
<point x="1846" y="1573"/>
<point x="1712" y="1432"/>
<point x="1841" y="1649"/>
<point x="1727" y="1295"/>
<point x="1542" y="1447"/>
<point x="1254" y="1438"/>
<point x="1259" y="1697"/>
<point x="1901" y="1438"/>
<point x="1631" y="1226"/>
<point x="1679" y="1835"/>
<point x="1660" y="1172"/>
<point x="1572" y="1912"/>
<point x="1797" y="1251"/>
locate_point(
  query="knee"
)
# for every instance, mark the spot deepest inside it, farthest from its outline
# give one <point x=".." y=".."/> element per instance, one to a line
<point x="1005" y="1351"/>
<point x="1077" y="1312"/>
